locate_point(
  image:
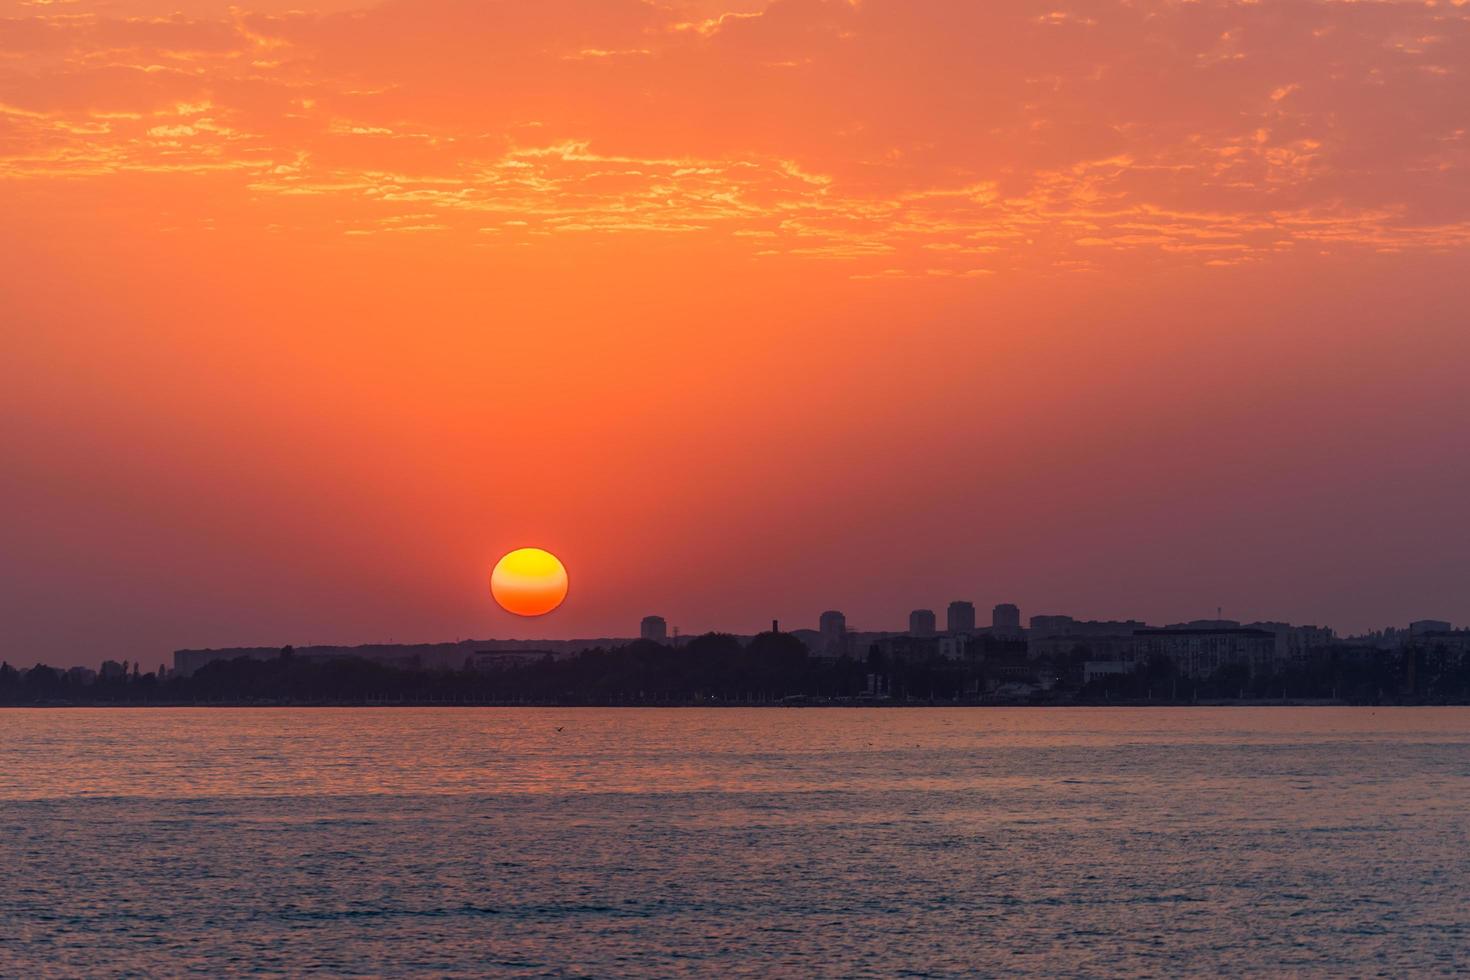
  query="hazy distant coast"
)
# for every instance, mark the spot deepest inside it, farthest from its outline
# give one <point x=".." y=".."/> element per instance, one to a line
<point x="780" y="669"/>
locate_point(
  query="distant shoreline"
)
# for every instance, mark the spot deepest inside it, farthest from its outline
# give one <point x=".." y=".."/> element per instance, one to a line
<point x="1212" y="703"/>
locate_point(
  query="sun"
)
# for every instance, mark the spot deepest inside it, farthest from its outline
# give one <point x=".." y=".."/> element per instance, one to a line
<point x="529" y="582"/>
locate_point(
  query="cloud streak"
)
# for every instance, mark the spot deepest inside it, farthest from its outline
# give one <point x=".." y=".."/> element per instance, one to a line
<point x="883" y="135"/>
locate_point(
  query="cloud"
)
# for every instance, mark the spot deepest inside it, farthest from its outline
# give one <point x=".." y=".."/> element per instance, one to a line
<point x="882" y="134"/>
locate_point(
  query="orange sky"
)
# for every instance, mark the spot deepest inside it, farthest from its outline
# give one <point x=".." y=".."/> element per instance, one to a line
<point x="744" y="309"/>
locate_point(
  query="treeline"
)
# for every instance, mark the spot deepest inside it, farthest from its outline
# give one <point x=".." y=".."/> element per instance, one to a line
<point x="1344" y="674"/>
<point x="719" y="669"/>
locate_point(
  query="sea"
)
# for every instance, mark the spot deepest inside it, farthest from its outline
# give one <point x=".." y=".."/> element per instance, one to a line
<point x="800" y="842"/>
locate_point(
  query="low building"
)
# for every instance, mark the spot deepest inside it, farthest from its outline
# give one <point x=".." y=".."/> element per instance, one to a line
<point x="1297" y="644"/>
<point x="1043" y="627"/>
<point x="487" y="661"/>
<point x="1050" y="625"/>
<point x="1007" y="661"/>
<point x="901" y="647"/>
<point x="415" y="656"/>
<point x="1094" y="669"/>
<point x="1454" y="643"/>
<point x="1199" y="652"/>
<point x="954" y="646"/>
<point x="1422" y="627"/>
<point x="1107" y="647"/>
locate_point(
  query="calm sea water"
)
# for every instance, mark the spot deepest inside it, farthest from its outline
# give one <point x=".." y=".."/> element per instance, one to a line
<point x="855" y="842"/>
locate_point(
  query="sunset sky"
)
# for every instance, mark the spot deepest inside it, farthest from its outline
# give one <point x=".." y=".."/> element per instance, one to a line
<point x="744" y="309"/>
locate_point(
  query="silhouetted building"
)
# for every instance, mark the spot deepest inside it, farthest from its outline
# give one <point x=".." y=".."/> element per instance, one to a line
<point x="425" y="656"/>
<point x="1058" y="647"/>
<point x="1453" y="643"/>
<point x="1093" y="669"/>
<point x="1006" y="661"/>
<point x="833" y="627"/>
<point x="493" y="660"/>
<point x="1422" y="626"/>
<point x="897" y="647"/>
<point x="1005" y="622"/>
<point x="1052" y="626"/>
<point x="1201" y="652"/>
<point x="1297" y="644"/>
<point x="954" y="646"/>
<point x="921" y="622"/>
<point x="1061" y="638"/>
<point x="653" y="628"/>
<point x="112" y="670"/>
<point x="960" y="618"/>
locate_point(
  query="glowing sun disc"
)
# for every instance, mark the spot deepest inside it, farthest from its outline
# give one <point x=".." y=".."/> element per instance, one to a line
<point x="529" y="582"/>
